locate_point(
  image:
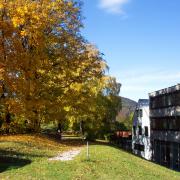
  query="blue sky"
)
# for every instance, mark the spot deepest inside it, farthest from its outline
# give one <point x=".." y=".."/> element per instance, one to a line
<point x="140" y="40"/>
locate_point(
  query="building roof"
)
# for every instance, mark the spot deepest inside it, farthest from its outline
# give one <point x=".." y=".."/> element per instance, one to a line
<point x="143" y="102"/>
<point x="165" y="91"/>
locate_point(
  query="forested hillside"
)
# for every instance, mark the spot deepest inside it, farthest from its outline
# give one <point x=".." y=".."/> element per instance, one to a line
<point x="125" y="115"/>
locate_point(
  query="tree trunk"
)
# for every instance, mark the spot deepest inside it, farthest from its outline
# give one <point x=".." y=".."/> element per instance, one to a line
<point x="59" y="129"/>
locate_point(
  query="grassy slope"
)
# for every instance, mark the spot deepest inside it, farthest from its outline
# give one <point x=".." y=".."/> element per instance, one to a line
<point x="29" y="160"/>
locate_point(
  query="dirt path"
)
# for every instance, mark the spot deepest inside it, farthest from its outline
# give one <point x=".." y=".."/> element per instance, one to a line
<point x="66" y="156"/>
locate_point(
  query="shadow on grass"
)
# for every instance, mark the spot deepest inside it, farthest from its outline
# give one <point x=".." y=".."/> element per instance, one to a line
<point x="75" y="141"/>
<point x="66" y="140"/>
<point x="12" y="153"/>
<point x="89" y="161"/>
<point x="8" y="163"/>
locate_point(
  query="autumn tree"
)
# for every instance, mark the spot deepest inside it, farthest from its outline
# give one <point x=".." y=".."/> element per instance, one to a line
<point x="31" y="31"/>
<point x="50" y="72"/>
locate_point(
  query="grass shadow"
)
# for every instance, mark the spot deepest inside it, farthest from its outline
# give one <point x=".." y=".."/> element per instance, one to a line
<point x="89" y="161"/>
<point x="13" y="153"/>
<point x="66" y="140"/>
<point x="9" y="162"/>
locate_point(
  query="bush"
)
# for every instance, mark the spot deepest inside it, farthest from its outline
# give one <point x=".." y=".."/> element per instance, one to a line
<point x="108" y="136"/>
<point x="90" y="135"/>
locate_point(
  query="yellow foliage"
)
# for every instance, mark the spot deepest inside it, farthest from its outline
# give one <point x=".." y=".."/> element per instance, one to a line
<point x="67" y="108"/>
<point x="49" y="70"/>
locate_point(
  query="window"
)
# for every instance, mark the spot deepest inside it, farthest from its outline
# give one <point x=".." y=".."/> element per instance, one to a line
<point x="137" y="112"/>
<point x="174" y="124"/>
<point x="177" y="99"/>
<point x="134" y="130"/>
<point x="165" y="100"/>
<point x="146" y="131"/>
<point x="166" y="123"/>
<point x="140" y="130"/>
<point x="140" y="113"/>
<point x="176" y="156"/>
<point x="139" y="147"/>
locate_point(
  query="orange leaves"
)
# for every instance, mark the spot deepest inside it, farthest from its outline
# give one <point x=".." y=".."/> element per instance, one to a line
<point x="51" y="72"/>
<point x="23" y="33"/>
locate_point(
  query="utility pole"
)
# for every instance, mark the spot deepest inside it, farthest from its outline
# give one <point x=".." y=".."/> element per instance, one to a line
<point x="87" y="150"/>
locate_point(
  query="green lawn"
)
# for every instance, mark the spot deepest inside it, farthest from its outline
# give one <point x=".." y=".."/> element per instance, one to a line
<point x="26" y="157"/>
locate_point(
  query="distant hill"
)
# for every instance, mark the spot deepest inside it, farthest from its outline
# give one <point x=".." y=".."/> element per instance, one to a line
<point x="128" y="106"/>
<point x="128" y="103"/>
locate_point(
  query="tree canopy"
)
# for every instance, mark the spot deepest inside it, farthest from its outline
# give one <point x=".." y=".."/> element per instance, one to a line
<point x="48" y="70"/>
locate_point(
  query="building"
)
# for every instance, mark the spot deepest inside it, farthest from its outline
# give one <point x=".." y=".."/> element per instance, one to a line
<point x="141" y="130"/>
<point x="165" y="126"/>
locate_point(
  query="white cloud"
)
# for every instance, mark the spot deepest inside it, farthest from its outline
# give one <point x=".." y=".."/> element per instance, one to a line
<point x="138" y="83"/>
<point x="113" y="6"/>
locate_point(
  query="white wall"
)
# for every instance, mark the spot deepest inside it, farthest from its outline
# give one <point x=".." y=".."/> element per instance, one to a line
<point x="143" y="121"/>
